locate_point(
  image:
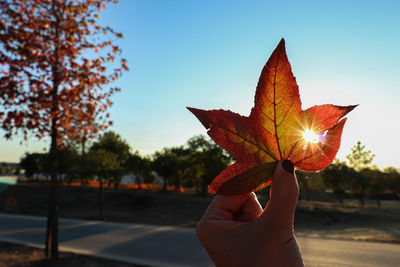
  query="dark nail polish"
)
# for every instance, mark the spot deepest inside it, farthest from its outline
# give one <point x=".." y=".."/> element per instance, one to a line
<point x="288" y="166"/>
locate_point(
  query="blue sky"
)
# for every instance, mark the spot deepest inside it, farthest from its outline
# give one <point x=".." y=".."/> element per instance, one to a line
<point x="209" y="54"/>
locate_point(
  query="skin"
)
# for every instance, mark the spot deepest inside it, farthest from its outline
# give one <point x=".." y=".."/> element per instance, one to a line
<point x="236" y="231"/>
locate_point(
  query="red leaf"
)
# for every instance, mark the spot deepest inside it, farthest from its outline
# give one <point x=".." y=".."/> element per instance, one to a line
<point x="276" y="129"/>
<point x="236" y="134"/>
<point x="322" y="118"/>
<point x="318" y="157"/>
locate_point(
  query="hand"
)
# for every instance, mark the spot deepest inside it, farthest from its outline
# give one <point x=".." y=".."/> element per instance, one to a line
<point x="236" y="231"/>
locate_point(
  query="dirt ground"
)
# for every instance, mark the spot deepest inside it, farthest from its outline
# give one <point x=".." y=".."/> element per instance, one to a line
<point x="325" y="219"/>
<point x="124" y="205"/>
<point x="330" y="220"/>
<point x="12" y="255"/>
<point x="313" y="218"/>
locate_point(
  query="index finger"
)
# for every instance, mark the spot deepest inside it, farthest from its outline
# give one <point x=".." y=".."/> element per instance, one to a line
<point x="224" y="206"/>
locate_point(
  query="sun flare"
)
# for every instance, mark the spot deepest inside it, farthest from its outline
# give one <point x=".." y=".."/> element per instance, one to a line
<point x="310" y="136"/>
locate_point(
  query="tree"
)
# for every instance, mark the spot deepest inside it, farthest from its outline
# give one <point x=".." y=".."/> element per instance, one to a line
<point x="393" y="180"/>
<point x="113" y="143"/>
<point x="53" y="75"/>
<point x="35" y="164"/>
<point x="337" y="176"/>
<point x="183" y="166"/>
<point x="210" y="156"/>
<point x="165" y="164"/>
<point x="377" y="183"/>
<point x="31" y="164"/>
<point x="192" y="170"/>
<point x="359" y="158"/>
<point x="308" y="182"/>
<point x="69" y="163"/>
<point x="359" y="162"/>
<point x="139" y="166"/>
<point x="359" y="184"/>
<point x="103" y="164"/>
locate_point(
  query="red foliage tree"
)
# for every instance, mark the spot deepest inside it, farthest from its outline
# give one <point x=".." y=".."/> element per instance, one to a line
<point x="56" y="64"/>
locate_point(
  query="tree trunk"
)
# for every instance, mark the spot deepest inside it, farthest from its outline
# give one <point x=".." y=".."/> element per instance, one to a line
<point x="340" y="200"/>
<point x="116" y="185"/>
<point x="51" y="249"/>
<point x="83" y="144"/>
<point x="137" y="178"/>
<point x="165" y="184"/>
<point x="51" y="243"/>
<point x="361" y="201"/>
<point x="204" y="187"/>
<point x="178" y="186"/>
<point x="101" y="198"/>
<point x="82" y="163"/>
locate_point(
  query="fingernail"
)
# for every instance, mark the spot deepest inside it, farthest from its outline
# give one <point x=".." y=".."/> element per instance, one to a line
<point x="288" y="166"/>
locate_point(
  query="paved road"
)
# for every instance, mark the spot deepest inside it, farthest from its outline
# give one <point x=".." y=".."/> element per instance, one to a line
<point x="173" y="246"/>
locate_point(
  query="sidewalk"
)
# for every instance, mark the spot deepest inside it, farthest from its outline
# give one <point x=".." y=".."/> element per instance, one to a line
<point x="174" y="246"/>
<point x="132" y="243"/>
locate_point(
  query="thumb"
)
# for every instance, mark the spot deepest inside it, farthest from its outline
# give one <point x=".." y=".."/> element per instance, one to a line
<point x="284" y="194"/>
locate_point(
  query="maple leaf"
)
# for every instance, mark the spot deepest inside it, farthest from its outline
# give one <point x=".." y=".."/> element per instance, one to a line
<point x="276" y="129"/>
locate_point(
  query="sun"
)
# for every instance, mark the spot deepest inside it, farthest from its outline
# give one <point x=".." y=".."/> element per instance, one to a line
<point x="310" y="136"/>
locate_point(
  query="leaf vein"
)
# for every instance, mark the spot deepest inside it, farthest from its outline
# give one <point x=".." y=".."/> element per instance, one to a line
<point x="285" y="115"/>
<point x="275" y="105"/>
<point x="269" y="153"/>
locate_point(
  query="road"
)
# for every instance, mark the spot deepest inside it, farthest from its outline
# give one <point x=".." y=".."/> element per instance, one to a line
<point x="174" y="246"/>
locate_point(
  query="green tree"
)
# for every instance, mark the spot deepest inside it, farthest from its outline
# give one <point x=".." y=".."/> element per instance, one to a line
<point x="180" y="165"/>
<point x="377" y="183"/>
<point x="165" y="165"/>
<point x="359" y="183"/>
<point x="337" y="176"/>
<point x="393" y="180"/>
<point x="30" y="163"/>
<point x="183" y="165"/>
<point x="103" y="164"/>
<point x="359" y="158"/>
<point x="210" y="159"/>
<point x="69" y="163"/>
<point x="360" y="161"/>
<point x="309" y="182"/>
<point x="35" y="164"/>
<point x="113" y="143"/>
<point x="193" y="171"/>
<point x="139" y="166"/>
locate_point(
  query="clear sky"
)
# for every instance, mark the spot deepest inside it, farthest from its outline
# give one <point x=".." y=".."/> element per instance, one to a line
<point x="209" y="54"/>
